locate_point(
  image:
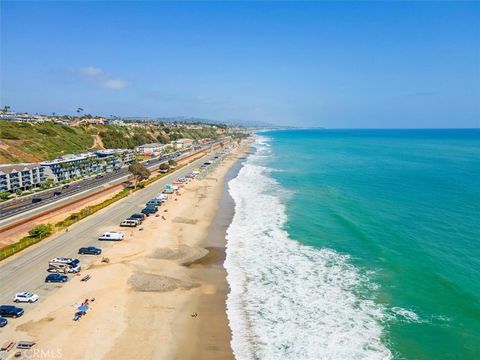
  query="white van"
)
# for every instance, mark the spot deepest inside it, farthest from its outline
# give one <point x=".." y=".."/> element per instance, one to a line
<point x="112" y="235"/>
<point x="129" y="223"/>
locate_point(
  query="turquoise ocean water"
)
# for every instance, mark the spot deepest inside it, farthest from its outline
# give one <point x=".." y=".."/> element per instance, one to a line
<point x="357" y="244"/>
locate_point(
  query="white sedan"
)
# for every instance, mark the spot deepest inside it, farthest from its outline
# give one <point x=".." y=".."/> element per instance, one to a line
<point x="27" y="297"/>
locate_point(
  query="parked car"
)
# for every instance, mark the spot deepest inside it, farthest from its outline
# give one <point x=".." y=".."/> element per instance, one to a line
<point x="129" y="223"/>
<point x="137" y="221"/>
<point x="58" y="278"/>
<point x="10" y="311"/>
<point x="99" y="176"/>
<point x="66" y="186"/>
<point x="27" y="297"/>
<point x="36" y="200"/>
<point x="3" y="321"/>
<point x="112" y="235"/>
<point x="153" y="203"/>
<point x="149" y="210"/>
<point x="89" y="250"/>
<point x="141" y="217"/>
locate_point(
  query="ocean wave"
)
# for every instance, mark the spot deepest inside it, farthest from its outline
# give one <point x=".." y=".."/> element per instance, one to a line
<point x="287" y="300"/>
<point x="405" y="314"/>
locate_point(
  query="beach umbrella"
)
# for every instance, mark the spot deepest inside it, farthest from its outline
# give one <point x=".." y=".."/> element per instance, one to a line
<point x="83" y="308"/>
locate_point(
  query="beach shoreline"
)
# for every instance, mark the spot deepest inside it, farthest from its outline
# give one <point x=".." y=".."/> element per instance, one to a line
<point x="162" y="296"/>
<point x="212" y="329"/>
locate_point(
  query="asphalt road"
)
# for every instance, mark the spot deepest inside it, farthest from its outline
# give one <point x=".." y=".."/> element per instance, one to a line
<point x="20" y="206"/>
<point x="26" y="271"/>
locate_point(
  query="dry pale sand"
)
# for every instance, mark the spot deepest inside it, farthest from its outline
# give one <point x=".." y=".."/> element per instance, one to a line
<point x="145" y="297"/>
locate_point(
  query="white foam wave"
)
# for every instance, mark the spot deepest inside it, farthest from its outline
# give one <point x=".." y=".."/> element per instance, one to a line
<point x="405" y="314"/>
<point x="287" y="300"/>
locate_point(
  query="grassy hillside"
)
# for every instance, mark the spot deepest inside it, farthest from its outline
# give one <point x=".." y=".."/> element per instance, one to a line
<point x="115" y="137"/>
<point x="24" y="142"/>
<point x="29" y="142"/>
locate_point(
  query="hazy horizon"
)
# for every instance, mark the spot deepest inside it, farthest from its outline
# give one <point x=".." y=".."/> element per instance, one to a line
<point x="316" y="64"/>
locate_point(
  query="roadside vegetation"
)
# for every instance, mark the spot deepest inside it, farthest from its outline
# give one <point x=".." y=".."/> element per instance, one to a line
<point x="38" y="233"/>
<point x="43" y="231"/>
<point x="139" y="172"/>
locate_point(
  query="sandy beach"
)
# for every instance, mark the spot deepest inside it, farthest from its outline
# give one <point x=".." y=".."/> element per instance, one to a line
<point x="162" y="296"/>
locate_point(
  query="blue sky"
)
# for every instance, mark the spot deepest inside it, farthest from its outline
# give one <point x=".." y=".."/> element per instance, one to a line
<point x="338" y="65"/>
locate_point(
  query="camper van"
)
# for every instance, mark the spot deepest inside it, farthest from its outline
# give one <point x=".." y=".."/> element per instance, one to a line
<point x="112" y="235"/>
<point x="65" y="260"/>
<point x="57" y="265"/>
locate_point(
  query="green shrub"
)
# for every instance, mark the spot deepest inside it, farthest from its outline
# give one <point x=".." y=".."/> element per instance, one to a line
<point x="4" y="195"/>
<point x="41" y="231"/>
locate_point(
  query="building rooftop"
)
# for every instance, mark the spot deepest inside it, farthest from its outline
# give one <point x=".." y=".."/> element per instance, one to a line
<point x="68" y="158"/>
<point x="152" y="145"/>
<point x="9" y="168"/>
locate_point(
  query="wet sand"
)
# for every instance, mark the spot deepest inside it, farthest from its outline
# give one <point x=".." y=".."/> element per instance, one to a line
<point x="213" y="332"/>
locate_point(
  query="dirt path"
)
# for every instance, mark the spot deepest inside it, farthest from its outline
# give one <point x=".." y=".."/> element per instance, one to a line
<point x="97" y="142"/>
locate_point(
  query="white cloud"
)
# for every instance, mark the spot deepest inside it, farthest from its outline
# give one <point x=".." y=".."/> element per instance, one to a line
<point x="91" y="71"/>
<point x="99" y="77"/>
<point x="114" y="84"/>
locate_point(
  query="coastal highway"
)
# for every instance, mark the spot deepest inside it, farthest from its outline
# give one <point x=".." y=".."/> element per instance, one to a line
<point x="26" y="271"/>
<point x="19" y="206"/>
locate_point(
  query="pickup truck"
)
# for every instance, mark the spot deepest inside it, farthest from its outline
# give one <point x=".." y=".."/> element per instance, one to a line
<point x="129" y="223"/>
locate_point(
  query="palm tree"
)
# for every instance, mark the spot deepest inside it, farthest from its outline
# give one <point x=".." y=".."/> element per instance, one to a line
<point x="6" y="108"/>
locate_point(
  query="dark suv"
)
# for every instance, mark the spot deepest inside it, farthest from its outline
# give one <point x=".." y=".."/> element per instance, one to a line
<point x="90" y="250"/>
<point x="58" y="278"/>
<point x="140" y="217"/>
<point x="10" y="311"/>
<point x="149" y="210"/>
